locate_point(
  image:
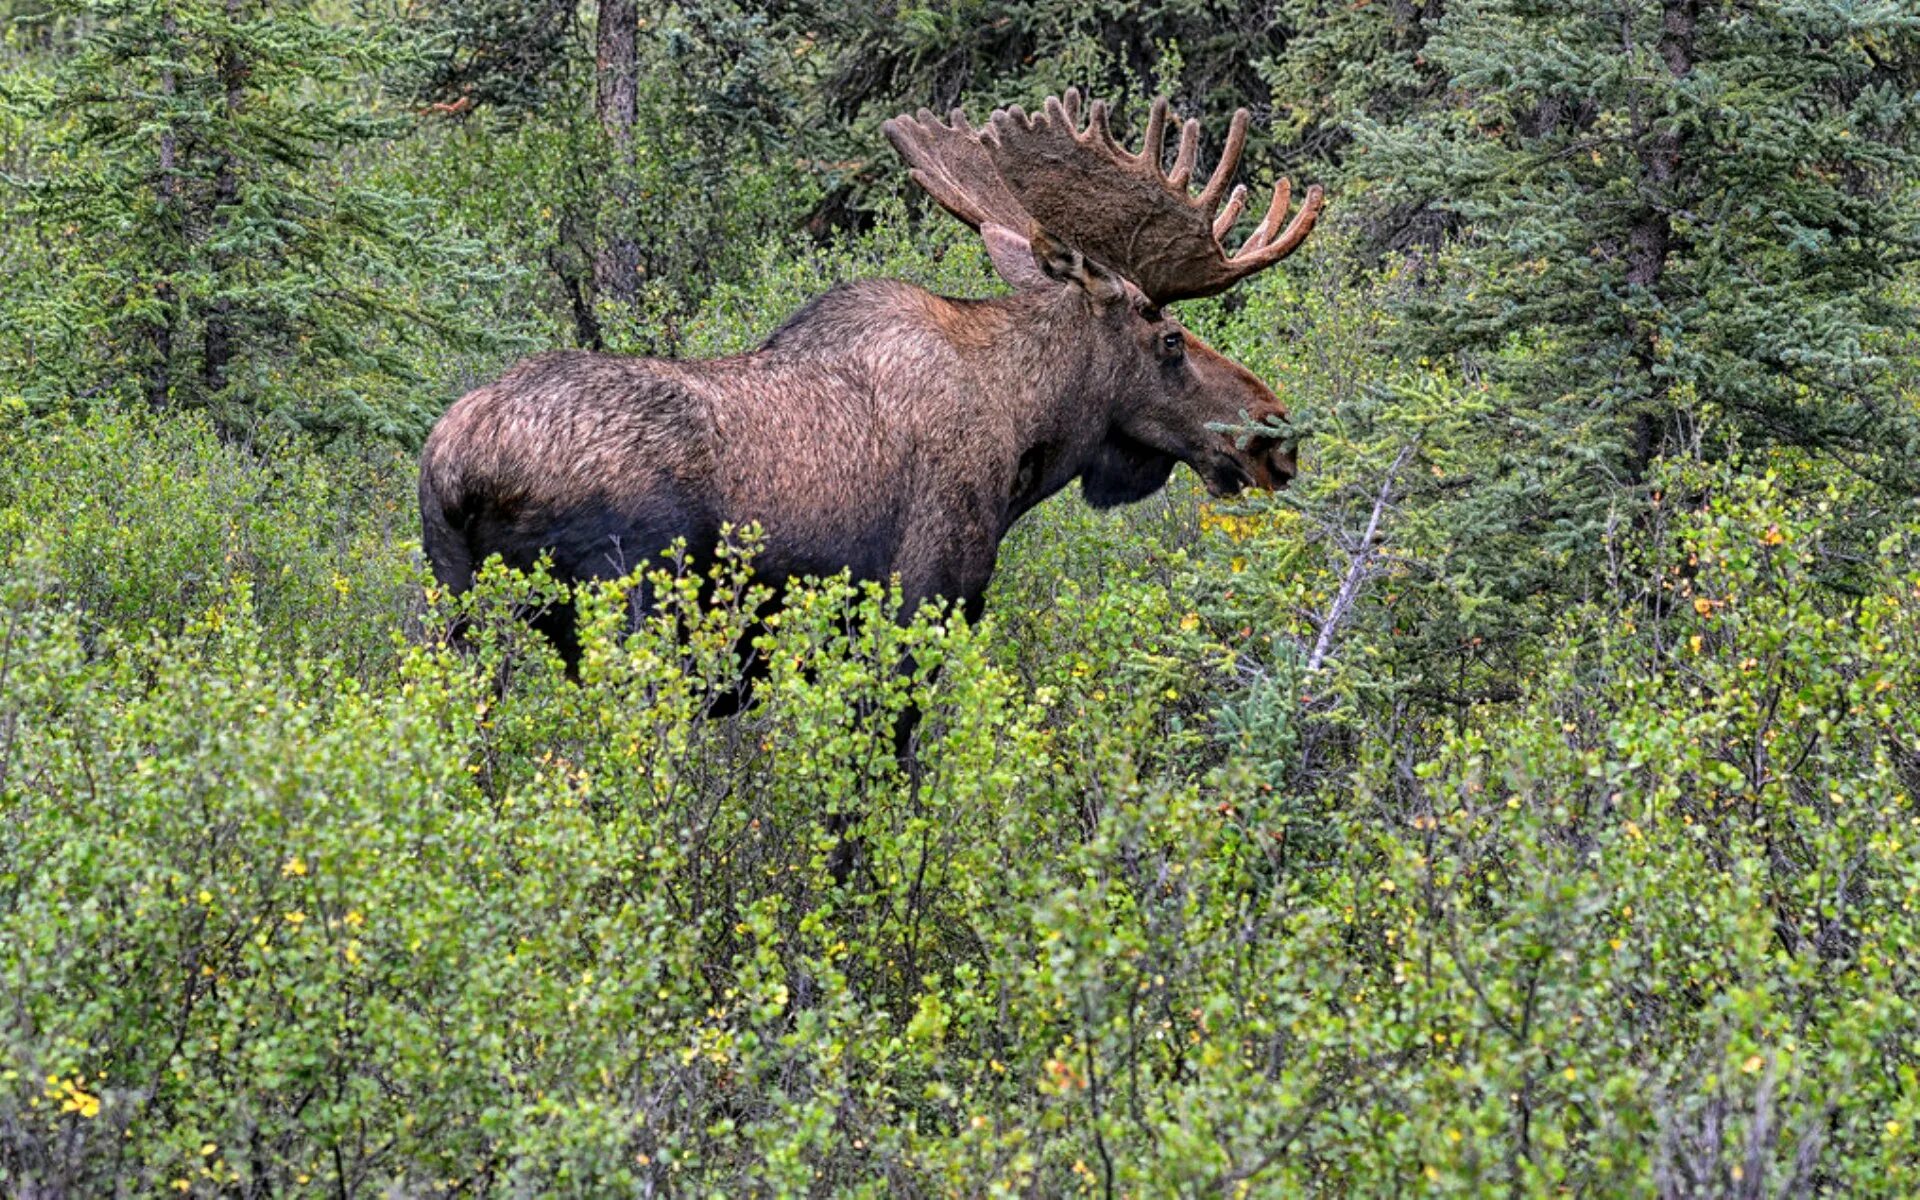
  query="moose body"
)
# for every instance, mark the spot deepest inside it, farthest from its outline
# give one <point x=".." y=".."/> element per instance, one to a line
<point x="881" y="430"/>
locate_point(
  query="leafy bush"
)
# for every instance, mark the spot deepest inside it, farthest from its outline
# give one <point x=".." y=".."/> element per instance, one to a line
<point x="1521" y="802"/>
<point x="137" y="527"/>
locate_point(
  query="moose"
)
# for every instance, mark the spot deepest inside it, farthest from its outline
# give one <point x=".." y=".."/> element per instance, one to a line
<point x="884" y="430"/>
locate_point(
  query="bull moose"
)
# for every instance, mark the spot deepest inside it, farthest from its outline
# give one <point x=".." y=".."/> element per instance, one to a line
<point x="885" y="430"/>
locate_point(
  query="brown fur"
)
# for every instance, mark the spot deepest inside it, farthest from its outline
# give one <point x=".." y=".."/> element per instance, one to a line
<point x="881" y="429"/>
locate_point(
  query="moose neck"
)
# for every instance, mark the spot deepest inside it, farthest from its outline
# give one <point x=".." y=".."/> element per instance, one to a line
<point x="1048" y="375"/>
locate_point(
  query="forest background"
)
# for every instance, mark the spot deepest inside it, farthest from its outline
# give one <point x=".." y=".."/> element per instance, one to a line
<point x="1523" y="801"/>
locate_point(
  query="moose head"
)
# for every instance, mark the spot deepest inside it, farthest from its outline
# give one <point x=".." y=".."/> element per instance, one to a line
<point x="1065" y="209"/>
<point x="883" y="430"/>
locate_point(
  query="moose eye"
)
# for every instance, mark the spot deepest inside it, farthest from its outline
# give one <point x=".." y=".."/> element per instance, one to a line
<point x="1173" y="344"/>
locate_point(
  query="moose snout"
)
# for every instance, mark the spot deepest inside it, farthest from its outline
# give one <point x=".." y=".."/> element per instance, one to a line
<point x="1279" y="466"/>
<point x="1264" y="463"/>
<point x="1270" y="463"/>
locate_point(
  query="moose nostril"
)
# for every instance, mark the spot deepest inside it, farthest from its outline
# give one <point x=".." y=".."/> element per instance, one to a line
<point x="1280" y="465"/>
<point x="1271" y="461"/>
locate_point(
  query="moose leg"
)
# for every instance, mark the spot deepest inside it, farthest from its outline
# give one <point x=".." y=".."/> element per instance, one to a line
<point x="447" y="553"/>
<point x="605" y="540"/>
<point x="970" y="599"/>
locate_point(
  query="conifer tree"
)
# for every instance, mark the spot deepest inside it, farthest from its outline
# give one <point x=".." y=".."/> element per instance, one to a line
<point x="1342" y="62"/>
<point x="208" y="234"/>
<point x="1681" y="224"/>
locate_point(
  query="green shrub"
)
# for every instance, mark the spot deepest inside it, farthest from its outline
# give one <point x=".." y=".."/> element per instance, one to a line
<point x="139" y="525"/>
<point x="285" y="912"/>
<point x="1165" y="900"/>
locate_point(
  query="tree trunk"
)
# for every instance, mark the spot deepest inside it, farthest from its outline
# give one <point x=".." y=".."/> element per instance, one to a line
<point x="1650" y="237"/>
<point x="167" y="190"/>
<point x="616" y="94"/>
<point x="218" y="348"/>
<point x="565" y="264"/>
<point x="615" y="102"/>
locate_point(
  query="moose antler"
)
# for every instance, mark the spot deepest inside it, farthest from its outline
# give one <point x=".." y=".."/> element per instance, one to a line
<point x="952" y="164"/>
<point x="1087" y="191"/>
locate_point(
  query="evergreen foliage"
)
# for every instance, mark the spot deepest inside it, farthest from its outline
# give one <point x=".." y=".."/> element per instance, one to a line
<point x="200" y="237"/>
<point x="1680" y="223"/>
<point x="634" y="184"/>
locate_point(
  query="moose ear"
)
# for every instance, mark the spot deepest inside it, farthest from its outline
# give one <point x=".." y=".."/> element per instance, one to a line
<point x="1012" y="256"/>
<point x="1067" y="265"/>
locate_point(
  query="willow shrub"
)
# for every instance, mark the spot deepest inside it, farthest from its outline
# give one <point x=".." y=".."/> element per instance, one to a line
<point x="136" y="526"/>
<point x="1651" y="927"/>
<point x="267" y="926"/>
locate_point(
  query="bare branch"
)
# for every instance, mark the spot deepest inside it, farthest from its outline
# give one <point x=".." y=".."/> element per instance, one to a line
<point x="1362" y="559"/>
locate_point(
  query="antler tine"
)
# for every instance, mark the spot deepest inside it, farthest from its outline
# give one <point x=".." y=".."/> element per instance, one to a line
<point x="1263" y="248"/>
<point x="1071" y="102"/>
<point x="1053" y="110"/>
<point x="1229" y="159"/>
<point x="1183" y="162"/>
<point x="1231" y="213"/>
<point x="1270" y="224"/>
<point x="1098" y="129"/>
<point x="1301" y="225"/>
<point x="1153" y="146"/>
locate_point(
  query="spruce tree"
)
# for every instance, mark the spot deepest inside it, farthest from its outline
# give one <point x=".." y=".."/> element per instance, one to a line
<point x="1344" y="62"/>
<point x="207" y="233"/>
<point x="1681" y="224"/>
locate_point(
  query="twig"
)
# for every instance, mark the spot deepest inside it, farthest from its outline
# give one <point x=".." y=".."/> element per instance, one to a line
<point x="1362" y="558"/>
